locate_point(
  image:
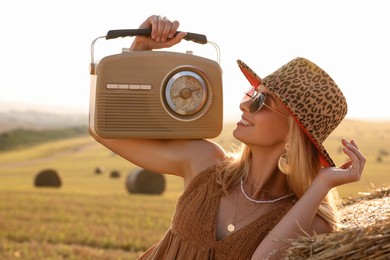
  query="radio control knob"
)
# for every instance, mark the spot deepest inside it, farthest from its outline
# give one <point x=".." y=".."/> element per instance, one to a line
<point x="185" y="93"/>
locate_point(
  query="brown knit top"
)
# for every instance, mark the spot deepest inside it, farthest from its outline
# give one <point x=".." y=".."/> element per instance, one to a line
<point x="192" y="234"/>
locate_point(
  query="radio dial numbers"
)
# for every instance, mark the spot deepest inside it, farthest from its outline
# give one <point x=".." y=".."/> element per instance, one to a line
<point x="186" y="93"/>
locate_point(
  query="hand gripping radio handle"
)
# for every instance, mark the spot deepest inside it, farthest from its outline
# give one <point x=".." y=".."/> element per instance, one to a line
<point x="112" y="34"/>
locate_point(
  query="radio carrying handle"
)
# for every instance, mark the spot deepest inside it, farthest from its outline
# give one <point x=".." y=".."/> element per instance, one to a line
<point x="112" y="34"/>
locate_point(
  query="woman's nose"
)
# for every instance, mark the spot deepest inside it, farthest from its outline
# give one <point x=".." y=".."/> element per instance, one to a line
<point x="245" y="104"/>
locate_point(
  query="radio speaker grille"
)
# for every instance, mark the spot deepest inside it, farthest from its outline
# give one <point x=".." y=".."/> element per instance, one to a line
<point x="144" y="114"/>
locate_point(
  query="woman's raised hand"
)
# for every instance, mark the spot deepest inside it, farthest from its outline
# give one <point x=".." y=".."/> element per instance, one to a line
<point x="163" y="34"/>
<point x="351" y="171"/>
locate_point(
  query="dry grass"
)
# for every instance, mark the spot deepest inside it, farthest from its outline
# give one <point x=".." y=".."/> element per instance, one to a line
<point x="365" y="233"/>
<point x="94" y="217"/>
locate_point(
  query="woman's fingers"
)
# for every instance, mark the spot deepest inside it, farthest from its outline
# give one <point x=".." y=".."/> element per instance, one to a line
<point x="163" y="34"/>
<point x="162" y="25"/>
<point x="357" y="160"/>
<point x="162" y="28"/>
<point x="354" y="144"/>
<point x="167" y="29"/>
<point x="174" y="27"/>
<point x="359" y="154"/>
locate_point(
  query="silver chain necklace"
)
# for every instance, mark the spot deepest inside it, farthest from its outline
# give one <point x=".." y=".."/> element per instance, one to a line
<point x="262" y="201"/>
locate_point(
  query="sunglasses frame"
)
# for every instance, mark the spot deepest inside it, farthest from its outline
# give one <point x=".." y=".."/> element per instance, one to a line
<point x="254" y="107"/>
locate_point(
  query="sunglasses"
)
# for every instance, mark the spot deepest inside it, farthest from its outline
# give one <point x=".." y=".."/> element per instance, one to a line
<point x="258" y="101"/>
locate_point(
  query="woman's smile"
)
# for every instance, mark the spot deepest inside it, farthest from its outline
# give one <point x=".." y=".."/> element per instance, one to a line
<point x="245" y="122"/>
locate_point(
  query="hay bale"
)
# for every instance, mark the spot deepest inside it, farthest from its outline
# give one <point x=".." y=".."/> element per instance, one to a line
<point x="145" y="182"/>
<point x="48" y="178"/>
<point x="115" y="174"/>
<point x="383" y="152"/>
<point x="365" y="233"/>
<point x="371" y="242"/>
<point x="99" y="170"/>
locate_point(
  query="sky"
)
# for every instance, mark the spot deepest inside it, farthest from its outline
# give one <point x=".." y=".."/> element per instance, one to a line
<point x="45" y="45"/>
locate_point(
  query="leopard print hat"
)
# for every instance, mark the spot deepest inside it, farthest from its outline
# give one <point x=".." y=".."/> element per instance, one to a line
<point x="311" y="97"/>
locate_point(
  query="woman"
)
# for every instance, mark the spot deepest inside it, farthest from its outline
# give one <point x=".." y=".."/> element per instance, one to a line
<point x="277" y="187"/>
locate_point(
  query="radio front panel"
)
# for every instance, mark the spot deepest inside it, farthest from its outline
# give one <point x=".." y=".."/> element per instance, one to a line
<point x="155" y="94"/>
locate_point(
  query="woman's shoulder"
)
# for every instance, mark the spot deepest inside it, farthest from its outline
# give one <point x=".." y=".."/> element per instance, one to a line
<point x="208" y="172"/>
<point x="205" y="178"/>
<point x="204" y="154"/>
<point x="208" y="148"/>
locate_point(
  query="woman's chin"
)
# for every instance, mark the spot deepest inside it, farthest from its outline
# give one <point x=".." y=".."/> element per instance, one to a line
<point x="236" y="133"/>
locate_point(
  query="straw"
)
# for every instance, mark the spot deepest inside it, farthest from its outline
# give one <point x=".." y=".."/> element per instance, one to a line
<point x="365" y="232"/>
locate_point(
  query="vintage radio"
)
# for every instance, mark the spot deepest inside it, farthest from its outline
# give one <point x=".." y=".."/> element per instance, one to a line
<point x="155" y="94"/>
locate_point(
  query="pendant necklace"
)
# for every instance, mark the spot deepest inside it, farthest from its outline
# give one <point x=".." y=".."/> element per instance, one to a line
<point x="232" y="226"/>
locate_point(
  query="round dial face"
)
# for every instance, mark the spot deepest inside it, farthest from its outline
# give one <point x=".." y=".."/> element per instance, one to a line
<point x="186" y="93"/>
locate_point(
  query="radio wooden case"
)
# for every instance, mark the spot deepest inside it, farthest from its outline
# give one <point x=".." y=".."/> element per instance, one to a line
<point x="156" y="95"/>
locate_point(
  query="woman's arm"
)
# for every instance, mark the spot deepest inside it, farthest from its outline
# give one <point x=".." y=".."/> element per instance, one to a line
<point x="183" y="158"/>
<point x="301" y="216"/>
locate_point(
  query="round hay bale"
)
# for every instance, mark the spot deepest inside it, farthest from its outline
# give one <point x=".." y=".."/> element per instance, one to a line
<point x="145" y="182"/>
<point x="99" y="170"/>
<point x="364" y="233"/>
<point x="48" y="178"/>
<point x="115" y="174"/>
<point x="383" y="152"/>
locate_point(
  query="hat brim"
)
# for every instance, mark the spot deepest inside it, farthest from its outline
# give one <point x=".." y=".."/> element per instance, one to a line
<point x="256" y="81"/>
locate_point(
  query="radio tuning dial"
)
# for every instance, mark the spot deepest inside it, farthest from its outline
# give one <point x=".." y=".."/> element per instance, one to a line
<point x="186" y="93"/>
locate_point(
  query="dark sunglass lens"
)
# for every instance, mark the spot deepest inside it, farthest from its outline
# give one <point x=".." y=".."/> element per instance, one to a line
<point x="257" y="103"/>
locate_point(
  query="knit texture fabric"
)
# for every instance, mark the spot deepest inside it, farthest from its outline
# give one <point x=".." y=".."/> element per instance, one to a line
<point x="192" y="234"/>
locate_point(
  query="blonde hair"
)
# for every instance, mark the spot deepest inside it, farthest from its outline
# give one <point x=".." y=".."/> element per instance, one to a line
<point x="304" y="165"/>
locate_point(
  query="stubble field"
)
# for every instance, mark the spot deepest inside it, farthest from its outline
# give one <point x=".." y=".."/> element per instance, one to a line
<point x="92" y="216"/>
